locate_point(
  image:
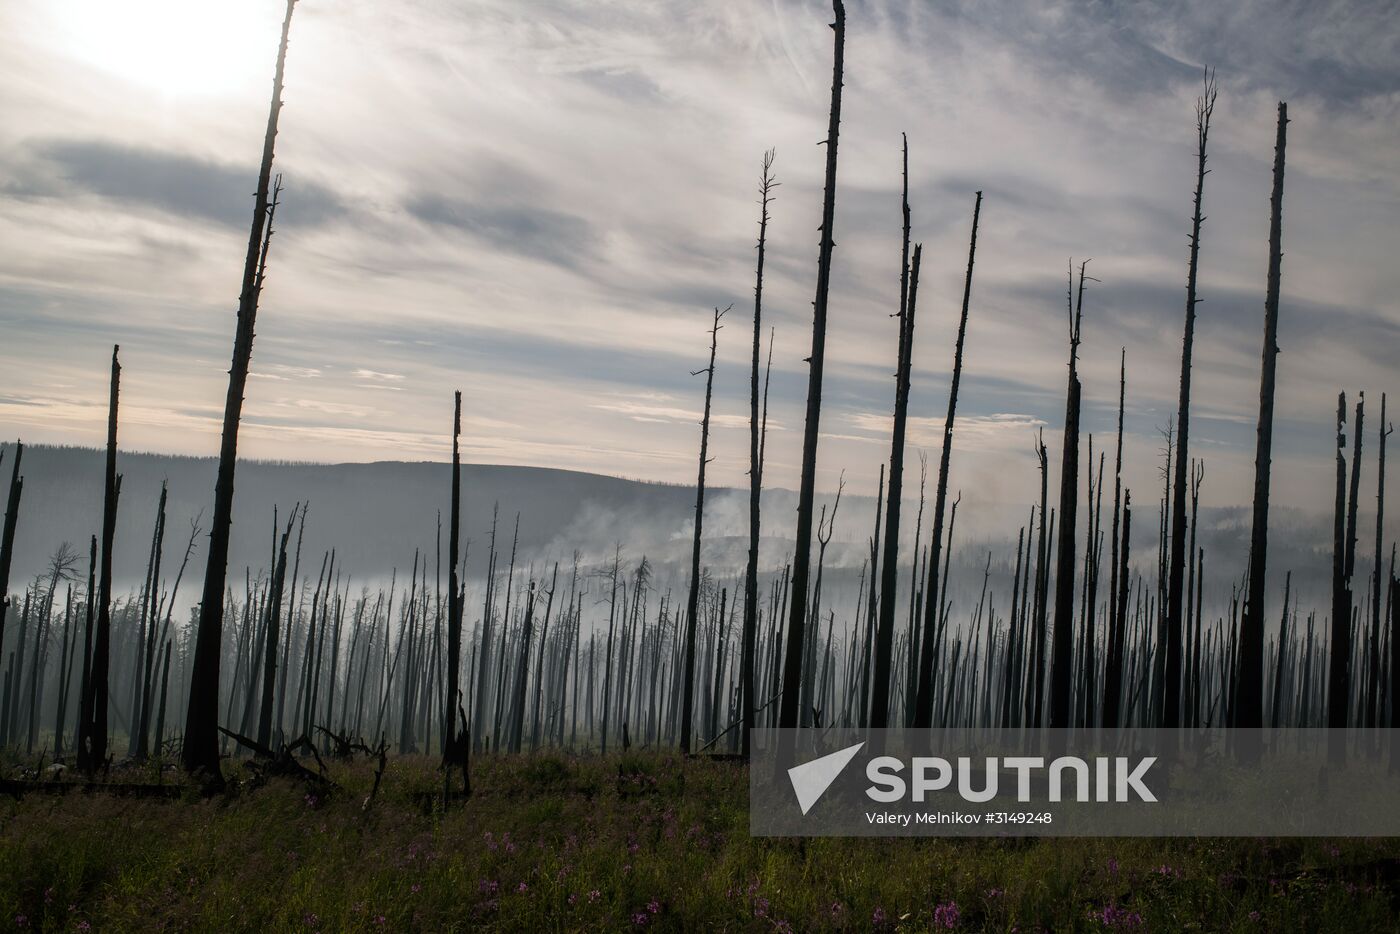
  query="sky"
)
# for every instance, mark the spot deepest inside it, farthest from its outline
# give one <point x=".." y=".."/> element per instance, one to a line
<point x="541" y="204"/>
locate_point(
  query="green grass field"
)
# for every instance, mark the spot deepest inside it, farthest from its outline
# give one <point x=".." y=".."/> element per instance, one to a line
<point x="552" y="843"/>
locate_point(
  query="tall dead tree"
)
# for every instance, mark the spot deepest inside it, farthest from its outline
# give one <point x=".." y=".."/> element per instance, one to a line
<point x="933" y="589"/>
<point x="454" y="749"/>
<point x="201" y="745"/>
<point x="1112" y="616"/>
<point x="1374" y="680"/>
<point x="884" y="631"/>
<point x="7" y="538"/>
<point x="802" y="552"/>
<point x="92" y="749"/>
<point x="274" y="628"/>
<point x="1176" y="575"/>
<point x="1062" y="638"/>
<point x="1249" y="700"/>
<point x="1339" y="661"/>
<point x="746" y="665"/>
<point x="693" y="603"/>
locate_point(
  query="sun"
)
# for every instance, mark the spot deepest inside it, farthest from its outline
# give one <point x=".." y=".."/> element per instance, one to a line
<point x="176" y="47"/>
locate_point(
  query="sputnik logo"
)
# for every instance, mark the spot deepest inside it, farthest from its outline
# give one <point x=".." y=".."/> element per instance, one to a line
<point x="811" y="780"/>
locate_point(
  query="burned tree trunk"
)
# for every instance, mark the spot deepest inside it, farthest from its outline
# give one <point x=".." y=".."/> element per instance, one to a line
<point x="94" y="752"/>
<point x="147" y="647"/>
<point x="274" y="624"/>
<point x="1062" y="639"/>
<point x="1113" y="669"/>
<point x="1113" y="621"/>
<point x="884" y="631"/>
<point x="1249" y="701"/>
<point x="802" y="553"/>
<point x="201" y="743"/>
<point x="933" y="592"/>
<point x="746" y="666"/>
<point x="1171" y="698"/>
<point x="879" y="697"/>
<point x="1339" y="661"/>
<point x="693" y="604"/>
<point x="1374" y="680"/>
<point x="7" y="538"/>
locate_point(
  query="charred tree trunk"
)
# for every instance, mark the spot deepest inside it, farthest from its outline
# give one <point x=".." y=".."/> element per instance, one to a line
<point x="746" y="678"/>
<point x="201" y="748"/>
<point x="1374" y="682"/>
<point x="453" y="748"/>
<point x="884" y="632"/>
<point x="7" y="538"/>
<point x="95" y="752"/>
<point x="693" y="603"/>
<point x="802" y="554"/>
<point x="274" y="623"/>
<point x="1339" y="661"/>
<point x="1171" y="698"/>
<point x="1249" y="709"/>
<point x="1062" y="638"/>
<point x="934" y="587"/>
<point x="1113" y="669"/>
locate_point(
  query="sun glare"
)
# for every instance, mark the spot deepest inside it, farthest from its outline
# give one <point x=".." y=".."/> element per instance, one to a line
<point x="177" y="47"/>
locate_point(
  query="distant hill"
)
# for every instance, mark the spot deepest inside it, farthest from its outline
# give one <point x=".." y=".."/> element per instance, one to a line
<point x="376" y="514"/>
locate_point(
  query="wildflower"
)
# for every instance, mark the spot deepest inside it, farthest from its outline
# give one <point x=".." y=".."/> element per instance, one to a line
<point x="1254" y="916"/>
<point x="654" y="906"/>
<point x="573" y="898"/>
<point x="946" y="915"/>
<point x="837" y="909"/>
<point x="760" y="907"/>
<point x="640" y="918"/>
<point x="878" y="917"/>
<point x="310" y="919"/>
<point x="415" y="888"/>
<point x="522" y="888"/>
<point x="84" y="926"/>
<point x="594" y="895"/>
<point x="1114" y="917"/>
<point x="1112" y="866"/>
<point x="21" y="921"/>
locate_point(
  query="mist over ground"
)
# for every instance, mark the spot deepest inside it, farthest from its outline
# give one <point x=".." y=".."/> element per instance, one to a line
<point x="375" y="516"/>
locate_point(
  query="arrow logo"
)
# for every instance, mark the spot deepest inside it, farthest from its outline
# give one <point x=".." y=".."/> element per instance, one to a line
<point x="810" y="781"/>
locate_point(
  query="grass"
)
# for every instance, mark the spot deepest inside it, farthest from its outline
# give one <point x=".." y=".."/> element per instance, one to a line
<point x="559" y="843"/>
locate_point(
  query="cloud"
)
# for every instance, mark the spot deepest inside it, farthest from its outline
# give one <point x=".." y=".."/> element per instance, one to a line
<point x="181" y="185"/>
<point x="532" y="232"/>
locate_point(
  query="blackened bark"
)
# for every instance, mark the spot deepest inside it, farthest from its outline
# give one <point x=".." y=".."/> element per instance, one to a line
<point x="1249" y="712"/>
<point x="1171" y="697"/>
<point x="934" y="586"/>
<point x="96" y="752"/>
<point x="1062" y="637"/>
<point x="693" y="603"/>
<point x="746" y="687"/>
<point x="802" y="554"/>
<point x="201" y="747"/>
<point x="7" y="538"/>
